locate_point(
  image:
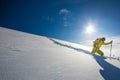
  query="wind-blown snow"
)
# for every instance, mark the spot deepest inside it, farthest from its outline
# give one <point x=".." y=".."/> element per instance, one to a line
<point x="26" y="56"/>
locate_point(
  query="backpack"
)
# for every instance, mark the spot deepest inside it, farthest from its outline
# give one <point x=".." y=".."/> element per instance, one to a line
<point x="97" y="41"/>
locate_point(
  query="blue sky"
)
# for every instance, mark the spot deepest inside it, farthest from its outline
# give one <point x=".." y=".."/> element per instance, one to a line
<point x="62" y="19"/>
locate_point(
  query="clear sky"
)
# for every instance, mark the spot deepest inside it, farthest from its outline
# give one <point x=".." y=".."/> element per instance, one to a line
<point x="68" y="20"/>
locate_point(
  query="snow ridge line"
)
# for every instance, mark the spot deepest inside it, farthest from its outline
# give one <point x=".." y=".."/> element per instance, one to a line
<point x="68" y="46"/>
<point x="80" y="50"/>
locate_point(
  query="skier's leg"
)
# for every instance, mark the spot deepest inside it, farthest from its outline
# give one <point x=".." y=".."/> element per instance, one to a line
<point x="94" y="50"/>
<point x="100" y="52"/>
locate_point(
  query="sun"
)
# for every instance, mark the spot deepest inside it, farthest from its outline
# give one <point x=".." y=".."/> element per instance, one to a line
<point x="90" y="29"/>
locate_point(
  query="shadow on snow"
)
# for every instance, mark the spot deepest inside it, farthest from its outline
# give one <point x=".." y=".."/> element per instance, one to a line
<point x="109" y="71"/>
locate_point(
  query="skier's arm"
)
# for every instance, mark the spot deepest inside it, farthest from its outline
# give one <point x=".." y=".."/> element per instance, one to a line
<point x="107" y="43"/>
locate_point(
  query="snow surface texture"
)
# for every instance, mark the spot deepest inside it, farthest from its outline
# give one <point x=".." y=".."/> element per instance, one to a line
<point x="26" y="56"/>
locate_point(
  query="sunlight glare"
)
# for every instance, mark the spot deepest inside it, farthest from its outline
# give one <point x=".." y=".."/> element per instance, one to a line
<point x="90" y="29"/>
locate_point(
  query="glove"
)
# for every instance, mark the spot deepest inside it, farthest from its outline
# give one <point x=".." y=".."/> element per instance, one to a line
<point x="111" y="41"/>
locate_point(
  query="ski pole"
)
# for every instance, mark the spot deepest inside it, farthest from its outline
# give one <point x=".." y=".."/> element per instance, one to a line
<point x="110" y="49"/>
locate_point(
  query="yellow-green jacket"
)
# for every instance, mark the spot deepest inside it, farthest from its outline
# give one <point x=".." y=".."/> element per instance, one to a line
<point x="99" y="42"/>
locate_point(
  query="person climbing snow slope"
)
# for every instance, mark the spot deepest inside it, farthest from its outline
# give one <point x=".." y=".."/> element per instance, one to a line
<point x="97" y="45"/>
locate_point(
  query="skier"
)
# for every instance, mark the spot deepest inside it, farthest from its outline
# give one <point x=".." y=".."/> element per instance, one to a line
<point x="97" y="44"/>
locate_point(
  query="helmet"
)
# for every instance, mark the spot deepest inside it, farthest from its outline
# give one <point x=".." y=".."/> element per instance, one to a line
<point x="103" y="38"/>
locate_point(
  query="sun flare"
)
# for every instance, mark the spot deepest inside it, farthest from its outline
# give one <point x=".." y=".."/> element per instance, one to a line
<point x="90" y="29"/>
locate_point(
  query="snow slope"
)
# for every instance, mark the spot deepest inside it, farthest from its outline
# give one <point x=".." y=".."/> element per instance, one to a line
<point x="26" y="56"/>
